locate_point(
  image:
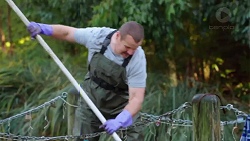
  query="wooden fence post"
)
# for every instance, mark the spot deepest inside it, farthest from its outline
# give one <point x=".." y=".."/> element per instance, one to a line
<point x="206" y="117"/>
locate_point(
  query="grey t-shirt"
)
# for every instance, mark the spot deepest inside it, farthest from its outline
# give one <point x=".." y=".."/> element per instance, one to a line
<point x="93" y="37"/>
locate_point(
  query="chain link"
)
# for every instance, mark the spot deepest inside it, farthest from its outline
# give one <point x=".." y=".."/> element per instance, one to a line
<point x="18" y="137"/>
<point x="239" y="115"/>
<point x="46" y="104"/>
<point x="236" y="111"/>
<point x="233" y="122"/>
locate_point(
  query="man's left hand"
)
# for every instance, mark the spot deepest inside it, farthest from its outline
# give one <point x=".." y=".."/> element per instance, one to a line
<point x="124" y="119"/>
<point x="111" y="126"/>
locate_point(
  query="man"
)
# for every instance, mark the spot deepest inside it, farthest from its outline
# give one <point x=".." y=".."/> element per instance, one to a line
<point x="116" y="78"/>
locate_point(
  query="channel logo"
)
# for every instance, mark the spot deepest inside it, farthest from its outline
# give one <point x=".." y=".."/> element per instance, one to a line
<point x="223" y="14"/>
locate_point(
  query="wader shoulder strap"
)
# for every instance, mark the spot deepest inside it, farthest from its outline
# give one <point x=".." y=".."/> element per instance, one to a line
<point x="126" y="61"/>
<point x="107" y="42"/>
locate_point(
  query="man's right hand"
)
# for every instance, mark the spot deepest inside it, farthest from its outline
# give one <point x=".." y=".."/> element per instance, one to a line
<point x="39" y="28"/>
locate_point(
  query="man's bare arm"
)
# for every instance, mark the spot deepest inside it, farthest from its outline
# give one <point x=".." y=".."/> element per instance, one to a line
<point x="63" y="32"/>
<point x="136" y="98"/>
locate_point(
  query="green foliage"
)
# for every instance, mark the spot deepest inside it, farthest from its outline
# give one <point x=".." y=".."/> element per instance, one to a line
<point x="69" y="12"/>
<point x="162" y="19"/>
<point x="239" y="17"/>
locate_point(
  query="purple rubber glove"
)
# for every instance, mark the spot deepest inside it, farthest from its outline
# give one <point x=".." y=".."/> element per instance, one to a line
<point x="124" y="119"/>
<point x="39" y="28"/>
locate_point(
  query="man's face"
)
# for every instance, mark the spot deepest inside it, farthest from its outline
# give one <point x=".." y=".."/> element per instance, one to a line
<point x="127" y="46"/>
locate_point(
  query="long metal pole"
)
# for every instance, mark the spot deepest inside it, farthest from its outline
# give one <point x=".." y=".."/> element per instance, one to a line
<point x="63" y="68"/>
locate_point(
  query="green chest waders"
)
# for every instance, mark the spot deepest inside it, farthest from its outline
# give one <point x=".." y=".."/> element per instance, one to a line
<point x="105" y="82"/>
<point x="106" y="87"/>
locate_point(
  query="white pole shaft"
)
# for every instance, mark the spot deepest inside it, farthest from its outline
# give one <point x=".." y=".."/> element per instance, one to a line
<point x="63" y="68"/>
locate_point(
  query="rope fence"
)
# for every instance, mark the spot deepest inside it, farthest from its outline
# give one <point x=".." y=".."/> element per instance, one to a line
<point x="145" y="120"/>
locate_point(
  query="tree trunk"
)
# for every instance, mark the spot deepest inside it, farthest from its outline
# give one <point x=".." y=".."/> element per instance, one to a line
<point x="172" y="72"/>
<point x="2" y="36"/>
<point x="9" y="30"/>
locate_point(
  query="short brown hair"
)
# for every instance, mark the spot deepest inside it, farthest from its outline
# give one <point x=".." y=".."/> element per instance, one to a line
<point x="133" y="29"/>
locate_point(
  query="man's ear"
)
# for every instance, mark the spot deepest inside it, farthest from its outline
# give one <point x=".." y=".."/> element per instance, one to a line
<point x="118" y="35"/>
